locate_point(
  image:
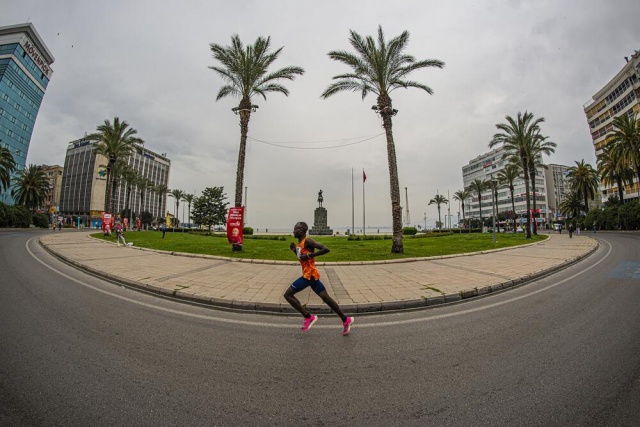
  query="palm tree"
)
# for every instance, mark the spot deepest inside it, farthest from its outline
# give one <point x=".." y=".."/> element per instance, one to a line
<point x="583" y="180"/>
<point x="245" y="72"/>
<point x="143" y="184"/>
<point x="614" y="170"/>
<point x="129" y="177"/>
<point x="7" y="167"/>
<point x="478" y="186"/>
<point x="178" y="195"/>
<point x="539" y="146"/>
<point x="116" y="141"/>
<point x="572" y="205"/>
<point x="189" y="199"/>
<point x="508" y="176"/>
<point x="518" y="137"/>
<point x="380" y="69"/>
<point x="461" y="196"/>
<point x="31" y="187"/>
<point x="626" y="139"/>
<point x="161" y="190"/>
<point x="438" y="200"/>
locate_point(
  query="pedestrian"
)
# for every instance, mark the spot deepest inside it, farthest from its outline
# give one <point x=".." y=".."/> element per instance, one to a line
<point x="120" y="234"/>
<point x="163" y="227"/>
<point x="306" y="252"/>
<point x="570" y="230"/>
<point x="53" y="225"/>
<point x="59" y="225"/>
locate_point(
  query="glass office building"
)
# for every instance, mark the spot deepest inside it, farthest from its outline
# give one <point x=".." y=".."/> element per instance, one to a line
<point x="25" y="72"/>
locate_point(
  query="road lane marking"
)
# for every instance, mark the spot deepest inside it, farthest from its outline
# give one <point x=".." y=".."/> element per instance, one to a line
<point x="360" y="325"/>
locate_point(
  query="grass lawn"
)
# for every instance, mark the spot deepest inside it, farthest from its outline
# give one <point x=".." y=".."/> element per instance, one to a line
<point x="341" y="248"/>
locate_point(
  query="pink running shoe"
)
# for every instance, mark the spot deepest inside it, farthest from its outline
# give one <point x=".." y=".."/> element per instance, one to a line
<point x="308" y="322"/>
<point x="347" y="325"/>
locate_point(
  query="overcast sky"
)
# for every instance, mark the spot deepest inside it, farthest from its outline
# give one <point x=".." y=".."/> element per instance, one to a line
<point x="147" y="62"/>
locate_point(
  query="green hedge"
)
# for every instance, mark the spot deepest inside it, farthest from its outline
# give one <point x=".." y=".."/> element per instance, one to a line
<point x="14" y="216"/>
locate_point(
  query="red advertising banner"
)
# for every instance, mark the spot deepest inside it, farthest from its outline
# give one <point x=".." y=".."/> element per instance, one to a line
<point x="234" y="225"/>
<point x="107" y="221"/>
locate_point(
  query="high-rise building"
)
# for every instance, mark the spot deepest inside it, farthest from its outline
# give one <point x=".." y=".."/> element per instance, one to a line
<point x="557" y="188"/>
<point x="621" y="95"/>
<point x="25" y="71"/>
<point x="54" y="176"/>
<point x="84" y="184"/>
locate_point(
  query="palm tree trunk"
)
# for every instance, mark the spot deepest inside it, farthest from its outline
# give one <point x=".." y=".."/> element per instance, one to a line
<point x="532" y="176"/>
<point x="386" y="111"/>
<point x="245" y="115"/>
<point x="620" y="193"/>
<point x="513" y="209"/>
<point x="439" y="220"/>
<point x="480" y="208"/>
<point x="525" y="172"/>
<point x="114" y="184"/>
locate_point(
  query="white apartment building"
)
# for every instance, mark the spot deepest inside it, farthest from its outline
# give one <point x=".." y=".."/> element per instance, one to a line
<point x="619" y="96"/>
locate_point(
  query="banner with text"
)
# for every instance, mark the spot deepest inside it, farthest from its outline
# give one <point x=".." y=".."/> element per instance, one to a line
<point x="234" y="225"/>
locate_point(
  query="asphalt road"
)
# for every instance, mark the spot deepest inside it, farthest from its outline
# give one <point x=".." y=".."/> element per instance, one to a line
<point x="562" y="351"/>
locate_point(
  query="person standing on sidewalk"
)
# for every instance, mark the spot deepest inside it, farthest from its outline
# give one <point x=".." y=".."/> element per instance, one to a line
<point x="120" y="234"/>
<point x="305" y="250"/>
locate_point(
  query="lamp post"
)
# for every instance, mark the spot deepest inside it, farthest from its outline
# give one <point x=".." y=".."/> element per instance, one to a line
<point x="493" y="206"/>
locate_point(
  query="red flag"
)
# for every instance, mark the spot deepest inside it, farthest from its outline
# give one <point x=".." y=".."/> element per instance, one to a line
<point x="364" y="176"/>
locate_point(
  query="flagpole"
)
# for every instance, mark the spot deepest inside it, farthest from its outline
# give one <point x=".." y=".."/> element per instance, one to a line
<point x="353" y="222"/>
<point x="364" y="224"/>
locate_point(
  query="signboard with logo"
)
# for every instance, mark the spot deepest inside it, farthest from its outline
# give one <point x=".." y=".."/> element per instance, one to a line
<point x="234" y="225"/>
<point x="107" y="221"/>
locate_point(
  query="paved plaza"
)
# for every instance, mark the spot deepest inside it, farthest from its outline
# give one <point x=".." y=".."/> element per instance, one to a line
<point x="357" y="286"/>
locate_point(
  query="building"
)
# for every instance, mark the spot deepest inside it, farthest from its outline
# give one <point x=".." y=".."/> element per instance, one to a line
<point x="54" y="175"/>
<point x="84" y="184"/>
<point x="25" y="71"/>
<point x="557" y="188"/>
<point x="487" y="167"/>
<point x="619" y="96"/>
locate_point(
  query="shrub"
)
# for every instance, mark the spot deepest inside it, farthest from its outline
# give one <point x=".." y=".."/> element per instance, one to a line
<point x="409" y="231"/>
<point x="40" y="220"/>
<point x="247" y="231"/>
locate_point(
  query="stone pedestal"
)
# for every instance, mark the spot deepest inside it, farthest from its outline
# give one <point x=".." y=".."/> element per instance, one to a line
<point x="320" y="227"/>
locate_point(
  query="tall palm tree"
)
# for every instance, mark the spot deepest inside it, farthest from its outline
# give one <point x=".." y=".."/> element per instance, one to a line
<point x="614" y="170"/>
<point x="539" y="146"/>
<point x="508" y="177"/>
<point x="129" y="177"/>
<point x="583" y="180"/>
<point x="461" y="196"/>
<point x="626" y="139"/>
<point x="161" y="190"/>
<point x="245" y="72"/>
<point x="7" y="167"/>
<point x="115" y="141"/>
<point x="189" y="199"/>
<point x="31" y="187"/>
<point x="438" y="200"/>
<point x="143" y="184"/>
<point x="518" y="136"/>
<point x="478" y="186"/>
<point x="178" y="195"/>
<point x="572" y="205"/>
<point x="379" y="69"/>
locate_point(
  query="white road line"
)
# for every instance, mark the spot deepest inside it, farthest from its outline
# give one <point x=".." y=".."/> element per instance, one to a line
<point x="359" y="325"/>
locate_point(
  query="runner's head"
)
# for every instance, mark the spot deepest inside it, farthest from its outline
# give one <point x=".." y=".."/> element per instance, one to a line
<point x="300" y="229"/>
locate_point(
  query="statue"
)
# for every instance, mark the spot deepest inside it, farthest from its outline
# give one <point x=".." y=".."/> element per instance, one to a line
<point x="320" y="198"/>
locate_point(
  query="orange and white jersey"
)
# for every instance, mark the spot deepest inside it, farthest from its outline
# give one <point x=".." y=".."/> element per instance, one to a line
<point x="309" y="269"/>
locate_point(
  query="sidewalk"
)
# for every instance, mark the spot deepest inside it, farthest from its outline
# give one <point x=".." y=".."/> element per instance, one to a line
<point x="358" y="286"/>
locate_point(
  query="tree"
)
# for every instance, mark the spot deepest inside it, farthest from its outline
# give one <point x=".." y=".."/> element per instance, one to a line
<point x="31" y="187"/>
<point x="161" y="190"/>
<point x="189" y="199"/>
<point x="461" y="196"/>
<point x="478" y="186"/>
<point x="245" y="72"/>
<point x="380" y="69"/>
<point x="539" y="146"/>
<point x="572" y="206"/>
<point x="130" y="177"/>
<point x="210" y="208"/>
<point x="143" y="184"/>
<point x="613" y="169"/>
<point x="626" y="139"/>
<point x="116" y="141"/>
<point x="583" y="180"/>
<point x="438" y="200"/>
<point x="508" y="176"/>
<point x="518" y="137"/>
<point x="178" y="195"/>
<point x="7" y="167"/>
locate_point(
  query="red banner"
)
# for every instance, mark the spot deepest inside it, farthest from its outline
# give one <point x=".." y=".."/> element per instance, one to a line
<point x="107" y="221"/>
<point x="234" y="225"/>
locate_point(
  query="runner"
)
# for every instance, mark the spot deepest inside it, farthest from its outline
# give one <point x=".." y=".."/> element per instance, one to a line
<point x="305" y="250"/>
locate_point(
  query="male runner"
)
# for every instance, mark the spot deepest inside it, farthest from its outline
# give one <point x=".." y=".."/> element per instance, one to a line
<point x="306" y="252"/>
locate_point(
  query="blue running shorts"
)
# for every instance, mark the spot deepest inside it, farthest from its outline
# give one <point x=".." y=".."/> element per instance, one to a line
<point x="302" y="283"/>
